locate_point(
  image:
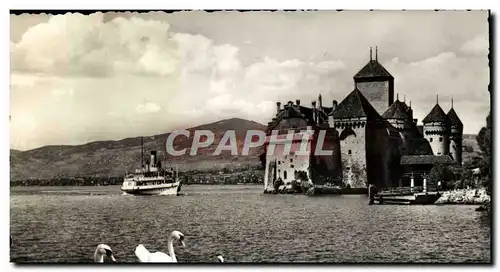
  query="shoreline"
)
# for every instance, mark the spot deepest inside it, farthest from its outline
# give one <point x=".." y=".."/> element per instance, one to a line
<point x="464" y="197"/>
<point x="184" y="184"/>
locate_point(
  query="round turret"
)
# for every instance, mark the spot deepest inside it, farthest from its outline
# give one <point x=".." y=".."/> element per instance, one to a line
<point x="436" y="130"/>
<point x="456" y="132"/>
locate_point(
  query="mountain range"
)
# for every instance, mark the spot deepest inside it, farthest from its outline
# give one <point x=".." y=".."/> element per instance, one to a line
<point x="115" y="158"/>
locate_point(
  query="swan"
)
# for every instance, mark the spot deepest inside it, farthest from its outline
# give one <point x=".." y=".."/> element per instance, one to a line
<point x="220" y="258"/>
<point x="145" y="256"/>
<point x="102" y="250"/>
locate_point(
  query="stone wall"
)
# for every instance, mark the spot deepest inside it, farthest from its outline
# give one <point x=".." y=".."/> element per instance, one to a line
<point x="327" y="169"/>
<point x="382" y="156"/>
<point x="353" y="155"/>
<point x="284" y="165"/>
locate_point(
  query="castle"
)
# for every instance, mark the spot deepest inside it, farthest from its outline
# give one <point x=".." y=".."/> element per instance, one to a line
<point x="373" y="135"/>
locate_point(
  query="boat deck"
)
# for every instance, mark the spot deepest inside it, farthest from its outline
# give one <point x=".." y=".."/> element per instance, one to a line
<point x="405" y="196"/>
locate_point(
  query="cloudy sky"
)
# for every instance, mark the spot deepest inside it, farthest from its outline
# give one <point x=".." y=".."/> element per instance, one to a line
<point x="77" y="78"/>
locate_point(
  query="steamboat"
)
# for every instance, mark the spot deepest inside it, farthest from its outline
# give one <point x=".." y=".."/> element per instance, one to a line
<point x="151" y="179"/>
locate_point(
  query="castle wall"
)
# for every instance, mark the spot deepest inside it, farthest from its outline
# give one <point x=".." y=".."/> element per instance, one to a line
<point x="378" y="93"/>
<point x="327" y="169"/>
<point x="352" y="137"/>
<point x="320" y="170"/>
<point x="383" y="156"/>
<point x="280" y="164"/>
<point x="284" y="166"/>
<point x="438" y="137"/>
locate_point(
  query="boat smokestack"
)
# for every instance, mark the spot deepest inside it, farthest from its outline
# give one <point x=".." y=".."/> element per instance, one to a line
<point x="153" y="159"/>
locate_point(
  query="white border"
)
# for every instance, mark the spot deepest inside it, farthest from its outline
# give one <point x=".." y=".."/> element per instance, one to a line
<point x="199" y="4"/>
<point x="254" y="4"/>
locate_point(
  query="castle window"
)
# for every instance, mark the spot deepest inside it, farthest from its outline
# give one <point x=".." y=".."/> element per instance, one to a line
<point x="349" y="152"/>
<point x="348" y="168"/>
<point x="291" y="160"/>
<point x="439" y="153"/>
<point x="430" y="140"/>
<point x="440" y="139"/>
<point x="291" y="166"/>
<point x="279" y="162"/>
<point x="284" y="174"/>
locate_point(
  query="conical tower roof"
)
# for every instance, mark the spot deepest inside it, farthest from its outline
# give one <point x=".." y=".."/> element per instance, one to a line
<point x="398" y="110"/>
<point x="454" y="120"/>
<point x="436" y="115"/>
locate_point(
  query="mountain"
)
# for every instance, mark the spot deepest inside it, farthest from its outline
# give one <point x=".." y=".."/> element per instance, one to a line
<point x="114" y="158"/>
<point x="15" y="151"/>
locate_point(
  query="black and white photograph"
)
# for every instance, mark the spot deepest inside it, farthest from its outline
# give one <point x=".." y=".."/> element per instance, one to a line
<point x="260" y="137"/>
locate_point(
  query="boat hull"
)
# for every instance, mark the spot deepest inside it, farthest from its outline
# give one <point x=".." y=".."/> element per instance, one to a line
<point x="415" y="199"/>
<point x="169" y="189"/>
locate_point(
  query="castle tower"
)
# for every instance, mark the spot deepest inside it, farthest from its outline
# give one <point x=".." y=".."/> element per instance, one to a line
<point x="456" y="133"/>
<point x="357" y="123"/>
<point x="376" y="84"/>
<point x="437" y="130"/>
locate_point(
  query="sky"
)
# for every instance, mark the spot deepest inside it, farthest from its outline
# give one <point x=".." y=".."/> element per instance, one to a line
<point x="108" y="76"/>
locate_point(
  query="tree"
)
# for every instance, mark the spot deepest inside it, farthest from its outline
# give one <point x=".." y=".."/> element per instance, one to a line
<point x="468" y="149"/>
<point x="438" y="173"/>
<point x="484" y="141"/>
<point x="473" y="162"/>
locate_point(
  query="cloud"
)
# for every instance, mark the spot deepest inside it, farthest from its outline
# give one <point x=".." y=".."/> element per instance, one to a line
<point x="446" y="75"/>
<point x="62" y="92"/>
<point x="75" y="44"/>
<point x="195" y="69"/>
<point x="148" y="107"/>
<point x="478" y="45"/>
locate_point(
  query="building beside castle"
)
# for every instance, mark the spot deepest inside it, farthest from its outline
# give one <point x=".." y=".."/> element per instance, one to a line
<point x="282" y="168"/>
<point x="372" y="133"/>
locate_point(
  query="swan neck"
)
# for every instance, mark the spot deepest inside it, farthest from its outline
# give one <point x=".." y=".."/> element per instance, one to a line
<point x="171" y="248"/>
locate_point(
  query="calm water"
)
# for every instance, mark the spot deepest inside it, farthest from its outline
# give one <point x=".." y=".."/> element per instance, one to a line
<point x="65" y="224"/>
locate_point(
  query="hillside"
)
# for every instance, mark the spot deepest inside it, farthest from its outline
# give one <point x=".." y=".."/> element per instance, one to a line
<point x="114" y="158"/>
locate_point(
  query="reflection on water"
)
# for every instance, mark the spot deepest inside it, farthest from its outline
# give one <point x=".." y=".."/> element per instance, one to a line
<point x="65" y="224"/>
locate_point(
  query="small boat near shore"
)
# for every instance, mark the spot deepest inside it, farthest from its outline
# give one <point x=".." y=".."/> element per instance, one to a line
<point x="404" y="196"/>
<point x="152" y="179"/>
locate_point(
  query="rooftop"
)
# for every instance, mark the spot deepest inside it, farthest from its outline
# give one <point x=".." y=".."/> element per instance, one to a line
<point x="426" y="159"/>
<point x="373" y="69"/>
<point x="454" y="120"/>
<point x="398" y="110"/>
<point x="355" y="105"/>
<point x="436" y="115"/>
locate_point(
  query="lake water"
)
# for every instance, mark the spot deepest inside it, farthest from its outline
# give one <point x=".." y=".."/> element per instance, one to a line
<point x="65" y="224"/>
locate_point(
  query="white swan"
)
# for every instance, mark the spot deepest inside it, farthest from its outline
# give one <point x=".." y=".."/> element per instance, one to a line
<point x="102" y="250"/>
<point x="159" y="257"/>
<point x="220" y="258"/>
